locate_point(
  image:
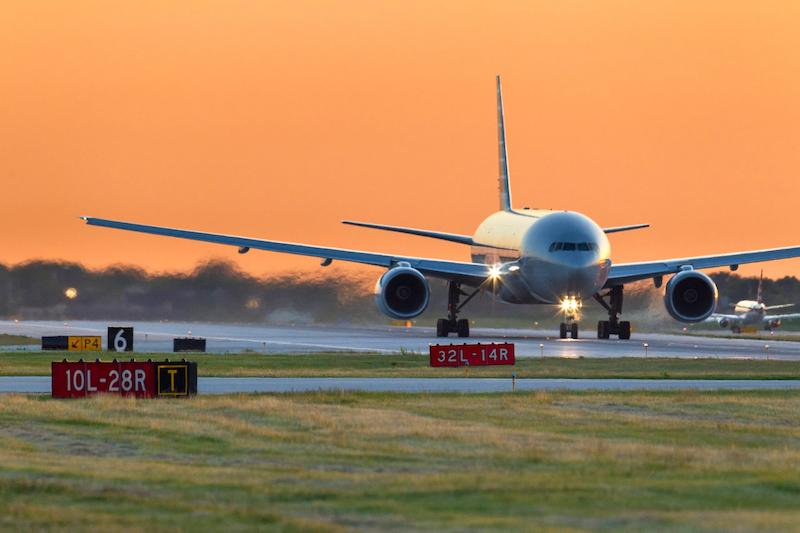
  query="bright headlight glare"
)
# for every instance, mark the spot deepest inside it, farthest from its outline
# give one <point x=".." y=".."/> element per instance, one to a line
<point x="570" y="304"/>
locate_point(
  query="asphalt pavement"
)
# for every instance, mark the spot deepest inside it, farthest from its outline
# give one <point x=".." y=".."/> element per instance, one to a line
<point x="41" y="385"/>
<point x="231" y="338"/>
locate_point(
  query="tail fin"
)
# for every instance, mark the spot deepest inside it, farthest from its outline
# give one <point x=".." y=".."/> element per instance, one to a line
<point x="505" y="188"/>
<point x="759" y="295"/>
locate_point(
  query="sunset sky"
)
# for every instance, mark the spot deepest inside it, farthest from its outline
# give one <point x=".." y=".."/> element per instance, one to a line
<point x="279" y="119"/>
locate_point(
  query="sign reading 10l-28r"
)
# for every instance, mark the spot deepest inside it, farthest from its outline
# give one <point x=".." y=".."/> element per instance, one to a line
<point x="471" y="354"/>
<point x="142" y="379"/>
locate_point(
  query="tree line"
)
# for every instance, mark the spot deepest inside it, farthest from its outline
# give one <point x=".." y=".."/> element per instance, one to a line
<point x="219" y="291"/>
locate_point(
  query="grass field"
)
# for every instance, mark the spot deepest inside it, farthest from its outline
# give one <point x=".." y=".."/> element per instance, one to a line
<point x="16" y="340"/>
<point x="709" y="461"/>
<point x="415" y="365"/>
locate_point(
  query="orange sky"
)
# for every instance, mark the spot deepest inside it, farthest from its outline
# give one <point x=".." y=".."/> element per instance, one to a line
<point x="278" y="119"/>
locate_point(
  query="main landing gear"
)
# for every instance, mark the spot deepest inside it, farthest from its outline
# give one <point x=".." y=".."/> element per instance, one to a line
<point x="612" y="326"/>
<point x="452" y="324"/>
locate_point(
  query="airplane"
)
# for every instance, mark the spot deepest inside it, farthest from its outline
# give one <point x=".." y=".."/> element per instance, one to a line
<point x="521" y="256"/>
<point x="749" y="313"/>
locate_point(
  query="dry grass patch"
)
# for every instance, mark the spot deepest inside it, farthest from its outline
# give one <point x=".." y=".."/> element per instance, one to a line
<point x="329" y="461"/>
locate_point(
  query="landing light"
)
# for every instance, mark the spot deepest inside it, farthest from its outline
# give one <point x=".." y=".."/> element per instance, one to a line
<point x="570" y="304"/>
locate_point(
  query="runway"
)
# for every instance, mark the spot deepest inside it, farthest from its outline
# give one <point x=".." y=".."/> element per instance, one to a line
<point x="232" y="338"/>
<point x="41" y="385"/>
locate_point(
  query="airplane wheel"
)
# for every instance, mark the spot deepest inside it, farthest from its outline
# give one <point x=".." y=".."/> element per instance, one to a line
<point x="442" y="327"/>
<point x="463" y="328"/>
<point x="602" y="329"/>
<point x="624" y="330"/>
<point x="562" y="330"/>
<point x="574" y="330"/>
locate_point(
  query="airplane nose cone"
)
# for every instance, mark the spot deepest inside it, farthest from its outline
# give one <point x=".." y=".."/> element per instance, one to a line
<point x="567" y="255"/>
<point x="578" y="280"/>
<point x="555" y="280"/>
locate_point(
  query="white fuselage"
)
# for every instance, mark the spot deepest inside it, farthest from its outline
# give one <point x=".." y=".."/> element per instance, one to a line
<point x="546" y="256"/>
<point x="750" y="313"/>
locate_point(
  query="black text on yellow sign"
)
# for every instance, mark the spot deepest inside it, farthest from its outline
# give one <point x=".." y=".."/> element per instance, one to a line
<point x="173" y="380"/>
<point x="84" y="344"/>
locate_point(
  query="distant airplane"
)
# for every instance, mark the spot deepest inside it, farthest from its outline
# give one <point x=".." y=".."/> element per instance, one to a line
<point x="749" y="313"/>
<point x="523" y="256"/>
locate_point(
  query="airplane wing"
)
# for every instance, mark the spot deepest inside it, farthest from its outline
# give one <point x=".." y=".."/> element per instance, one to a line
<point x="789" y="316"/>
<point x="469" y="273"/>
<point x="716" y="316"/>
<point x="628" y="272"/>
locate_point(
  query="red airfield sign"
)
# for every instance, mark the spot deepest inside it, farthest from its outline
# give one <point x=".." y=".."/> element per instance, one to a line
<point x="471" y="354"/>
<point x="79" y="379"/>
<point x="141" y="379"/>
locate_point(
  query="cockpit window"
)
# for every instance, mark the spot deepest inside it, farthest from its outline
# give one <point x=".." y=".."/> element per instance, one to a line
<point x="573" y="246"/>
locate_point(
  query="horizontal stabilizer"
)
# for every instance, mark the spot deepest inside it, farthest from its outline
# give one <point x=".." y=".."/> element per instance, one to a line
<point x="452" y="237"/>
<point x="617" y="229"/>
<point x="782" y="306"/>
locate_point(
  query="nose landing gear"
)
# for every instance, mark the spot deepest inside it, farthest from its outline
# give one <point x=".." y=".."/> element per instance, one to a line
<point x="613" y="326"/>
<point x="568" y="329"/>
<point x="452" y="324"/>
<point x="570" y="306"/>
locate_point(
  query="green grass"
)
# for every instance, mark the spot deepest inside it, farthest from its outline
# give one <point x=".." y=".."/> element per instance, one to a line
<point x="675" y="461"/>
<point x="416" y="365"/>
<point x="11" y="340"/>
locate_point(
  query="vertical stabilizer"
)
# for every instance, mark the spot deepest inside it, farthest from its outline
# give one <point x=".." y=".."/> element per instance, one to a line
<point x="505" y="188"/>
<point x="760" y="295"/>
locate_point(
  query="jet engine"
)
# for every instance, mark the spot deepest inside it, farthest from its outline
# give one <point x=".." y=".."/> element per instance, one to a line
<point x="690" y="296"/>
<point x="402" y="293"/>
<point x="724" y="322"/>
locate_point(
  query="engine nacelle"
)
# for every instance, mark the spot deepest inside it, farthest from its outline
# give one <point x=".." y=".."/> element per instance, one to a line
<point x="690" y="296"/>
<point x="402" y="293"/>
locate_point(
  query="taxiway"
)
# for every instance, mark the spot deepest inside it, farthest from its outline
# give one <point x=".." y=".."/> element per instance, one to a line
<point x="41" y="385"/>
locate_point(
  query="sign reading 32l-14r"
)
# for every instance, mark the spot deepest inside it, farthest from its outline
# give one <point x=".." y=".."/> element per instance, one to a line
<point x="471" y="354"/>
